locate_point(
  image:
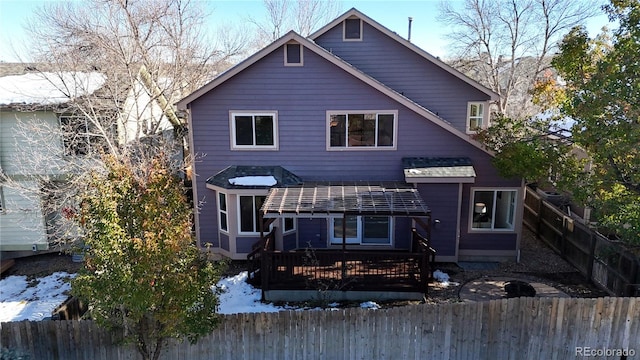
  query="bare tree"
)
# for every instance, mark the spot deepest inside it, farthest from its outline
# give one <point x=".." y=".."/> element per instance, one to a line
<point x="507" y="44"/>
<point x="148" y="53"/>
<point x="302" y="16"/>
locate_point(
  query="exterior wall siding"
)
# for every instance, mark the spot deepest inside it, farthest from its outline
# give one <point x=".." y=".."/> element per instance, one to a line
<point x="406" y="72"/>
<point x="23" y="154"/>
<point x="312" y="232"/>
<point x="443" y="200"/>
<point x="289" y="241"/>
<point x="302" y="96"/>
<point x="21" y="222"/>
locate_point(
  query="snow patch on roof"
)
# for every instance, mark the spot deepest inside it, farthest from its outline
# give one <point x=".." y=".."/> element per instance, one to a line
<point x="253" y="181"/>
<point x="47" y="88"/>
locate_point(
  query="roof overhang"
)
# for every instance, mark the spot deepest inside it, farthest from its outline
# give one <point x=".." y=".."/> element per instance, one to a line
<point x="357" y="198"/>
<point x="434" y="170"/>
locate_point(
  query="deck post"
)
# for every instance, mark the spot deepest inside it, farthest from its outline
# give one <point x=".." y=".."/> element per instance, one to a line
<point x="344" y="248"/>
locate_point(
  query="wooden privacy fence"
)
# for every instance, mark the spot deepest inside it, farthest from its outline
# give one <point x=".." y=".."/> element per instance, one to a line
<point x="520" y="328"/>
<point x="603" y="261"/>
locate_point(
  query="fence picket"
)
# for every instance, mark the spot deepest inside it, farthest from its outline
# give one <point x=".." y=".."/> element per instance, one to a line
<point x="505" y="329"/>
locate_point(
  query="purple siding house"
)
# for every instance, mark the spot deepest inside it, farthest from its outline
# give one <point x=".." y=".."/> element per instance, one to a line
<point x="345" y="140"/>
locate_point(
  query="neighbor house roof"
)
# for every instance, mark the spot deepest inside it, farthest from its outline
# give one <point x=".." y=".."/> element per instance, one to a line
<point x="47" y="88"/>
<point x="407" y="44"/>
<point x="412" y="105"/>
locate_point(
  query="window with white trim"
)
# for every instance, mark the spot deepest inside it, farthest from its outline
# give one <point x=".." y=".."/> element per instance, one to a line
<point x="248" y="207"/>
<point x="352" y="29"/>
<point x="288" y="225"/>
<point x="293" y="55"/>
<point x="362" y="130"/>
<point x="493" y="209"/>
<point x="364" y="230"/>
<point x="475" y="117"/>
<point x="223" y="215"/>
<point x="254" y="130"/>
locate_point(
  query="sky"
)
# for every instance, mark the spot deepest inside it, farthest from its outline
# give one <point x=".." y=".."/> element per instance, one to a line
<point x="427" y="32"/>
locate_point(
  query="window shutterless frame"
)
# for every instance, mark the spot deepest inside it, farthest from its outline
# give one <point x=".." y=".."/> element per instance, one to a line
<point x="361" y="130"/>
<point x="477" y="115"/>
<point x="293" y="54"/>
<point x="493" y="209"/>
<point x="352" y="29"/>
<point x="223" y="215"/>
<point x="253" y="130"/>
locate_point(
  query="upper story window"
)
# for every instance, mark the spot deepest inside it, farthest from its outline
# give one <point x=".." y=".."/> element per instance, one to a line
<point x="293" y="55"/>
<point x="75" y="134"/>
<point x="352" y="29"/>
<point x="493" y="209"/>
<point x="254" y="130"/>
<point x="476" y="117"/>
<point x="362" y="130"/>
<point x="82" y="135"/>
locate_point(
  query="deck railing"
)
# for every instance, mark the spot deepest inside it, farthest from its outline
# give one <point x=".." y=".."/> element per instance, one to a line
<point x="357" y="270"/>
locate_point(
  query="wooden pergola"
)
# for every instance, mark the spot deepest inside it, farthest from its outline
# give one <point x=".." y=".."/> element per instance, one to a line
<point x="323" y="200"/>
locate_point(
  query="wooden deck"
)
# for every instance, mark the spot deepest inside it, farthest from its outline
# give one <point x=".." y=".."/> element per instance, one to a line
<point x="343" y="270"/>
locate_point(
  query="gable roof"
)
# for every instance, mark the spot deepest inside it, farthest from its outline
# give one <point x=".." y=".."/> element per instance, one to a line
<point x="48" y="88"/>
<point x="407" y="44"/>
<point x="350" y="69"/>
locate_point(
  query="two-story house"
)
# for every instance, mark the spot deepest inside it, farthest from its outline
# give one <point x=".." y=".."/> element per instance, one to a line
<point x="298" y="131"/>
<point x="37" y="138"/>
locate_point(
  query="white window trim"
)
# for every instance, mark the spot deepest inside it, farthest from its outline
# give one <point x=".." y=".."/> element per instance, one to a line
<point x="362" y="148"/>
<point x="232" y="128"/>
<point x="286" y="60"/>
<point x="360" y="232"/>
<point x="485" y="116"/>
<point x="225" y="212"/>
<point x="493" y="210"/>
<point x="344" y="30"/>
<point x="255" y="220"/>
<point x="295" y="226"/>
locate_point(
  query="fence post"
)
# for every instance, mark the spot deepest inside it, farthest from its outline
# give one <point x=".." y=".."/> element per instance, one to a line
<point x="592" y="254"/>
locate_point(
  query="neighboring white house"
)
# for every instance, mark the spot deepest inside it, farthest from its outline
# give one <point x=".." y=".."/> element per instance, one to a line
<point x="146" y="110"/>
<point x="28" y="101"/>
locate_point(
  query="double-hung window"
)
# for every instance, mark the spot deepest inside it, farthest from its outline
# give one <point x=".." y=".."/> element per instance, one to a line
<point x="254" y="130"/>
<point x="223" y="215"/>
<point x="249" y="206"/>
<point x="493" y="209"/>
<point x="365" y="230"/>
<point x="362" y="130"/>
<point x="475" y="117"/>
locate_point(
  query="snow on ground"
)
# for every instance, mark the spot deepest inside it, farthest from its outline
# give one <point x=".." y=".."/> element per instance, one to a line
<point x="21" y="300"/>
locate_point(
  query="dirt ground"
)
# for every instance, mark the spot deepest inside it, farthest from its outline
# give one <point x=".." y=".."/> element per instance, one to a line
<point x="537" y="263"/>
